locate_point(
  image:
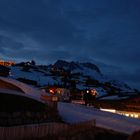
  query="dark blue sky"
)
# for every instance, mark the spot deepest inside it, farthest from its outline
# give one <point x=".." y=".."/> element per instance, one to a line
<point x="105" y="31"/>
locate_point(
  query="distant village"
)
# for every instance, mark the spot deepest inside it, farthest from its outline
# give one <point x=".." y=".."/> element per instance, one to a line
<point x="7" y="63"/>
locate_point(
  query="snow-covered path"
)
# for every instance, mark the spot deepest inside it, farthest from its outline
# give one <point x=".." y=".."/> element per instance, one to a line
<point x="72" y="113"/>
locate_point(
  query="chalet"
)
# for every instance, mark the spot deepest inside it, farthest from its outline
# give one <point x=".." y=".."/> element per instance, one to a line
<point x="23" y="104"/>
<point x="63" y="94"/>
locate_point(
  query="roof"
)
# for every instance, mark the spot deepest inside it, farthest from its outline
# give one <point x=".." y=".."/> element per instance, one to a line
<point x="29" y="91"/>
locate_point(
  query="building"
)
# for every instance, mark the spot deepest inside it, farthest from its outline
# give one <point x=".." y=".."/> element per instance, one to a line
<point x="63" y="94"/>
<point x="7" y="63"/>
<point x="23" y="104"/>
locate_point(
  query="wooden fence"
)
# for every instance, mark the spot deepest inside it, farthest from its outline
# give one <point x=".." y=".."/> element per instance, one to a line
<point x="29" y="132"/>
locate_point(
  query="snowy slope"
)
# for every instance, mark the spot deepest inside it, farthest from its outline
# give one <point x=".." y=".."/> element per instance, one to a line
<point x="32" y="75"/>
<point x="72" y="113"/>
<point x="85" y="75"/>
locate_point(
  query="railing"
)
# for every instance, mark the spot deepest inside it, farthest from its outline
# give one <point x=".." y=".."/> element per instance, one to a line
<point x="48" y="130"/>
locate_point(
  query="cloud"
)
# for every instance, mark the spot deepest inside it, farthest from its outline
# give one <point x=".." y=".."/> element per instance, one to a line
<point x="104" y="30"/>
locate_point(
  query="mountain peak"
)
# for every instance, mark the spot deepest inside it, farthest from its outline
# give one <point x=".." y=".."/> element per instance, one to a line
<point x="75" y="65"/>
<point x="66" y="65"/>
<point x="91" y="66"/>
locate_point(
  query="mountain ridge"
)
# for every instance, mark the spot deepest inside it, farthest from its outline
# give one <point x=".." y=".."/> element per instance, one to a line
<point x="71" y="75"/>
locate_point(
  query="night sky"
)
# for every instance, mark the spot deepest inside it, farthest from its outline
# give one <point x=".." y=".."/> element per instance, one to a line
<point x="105" y="32"/>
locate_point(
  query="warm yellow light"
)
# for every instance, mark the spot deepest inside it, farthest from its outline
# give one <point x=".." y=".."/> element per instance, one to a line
<point x="127" y="115"/>
<point x="54" y="98"/>
<point x="109" y="110"/>
<point x="51" y="91"/>
<point x="87" y="91"/>
<point x="136" y="115"/>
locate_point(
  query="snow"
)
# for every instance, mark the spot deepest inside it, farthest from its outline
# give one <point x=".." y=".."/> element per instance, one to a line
<point x="115" y="97"/>
<point x="32" y="75"/>
<point x="28" y="90"/>
<point x="100" y="91"/>
<point x="72" y="113"/>
<point x="13" y="92"/>
<point x="43" y="78"/>
<point x="88" y="72"/>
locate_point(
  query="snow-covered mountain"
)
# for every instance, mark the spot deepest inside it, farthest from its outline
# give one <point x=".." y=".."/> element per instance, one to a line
<point x="72" y="75"/>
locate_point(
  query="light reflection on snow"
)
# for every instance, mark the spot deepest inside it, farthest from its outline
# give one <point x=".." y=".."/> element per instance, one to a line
<point x="125" y="113"/>
<point x="108" y="110"/>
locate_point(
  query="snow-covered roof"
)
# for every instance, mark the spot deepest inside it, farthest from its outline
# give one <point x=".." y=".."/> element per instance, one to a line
<point x="73" y="113"/>
<point x="28" y="90"/>
<point x="14" y="92"/>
